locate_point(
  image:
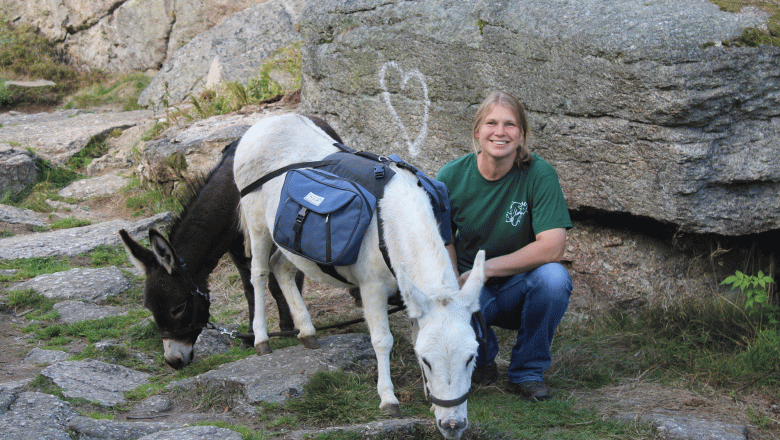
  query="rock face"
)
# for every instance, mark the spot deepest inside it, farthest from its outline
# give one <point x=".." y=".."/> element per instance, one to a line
<point x="232" y="51"/>
<point x="58" y="135"/>
<point x="106" y="34"/>
<point x="636" y="111"/>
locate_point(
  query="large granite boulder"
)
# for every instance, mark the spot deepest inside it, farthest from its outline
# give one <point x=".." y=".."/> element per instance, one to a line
<point x="639" y="106"/>
<point x="17" y="169"/>
<point x="232" y="51"/>
<point x="105" y="34"/>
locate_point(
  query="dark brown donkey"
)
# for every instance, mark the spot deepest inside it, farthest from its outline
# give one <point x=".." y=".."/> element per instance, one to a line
<point x="177" y="270"/>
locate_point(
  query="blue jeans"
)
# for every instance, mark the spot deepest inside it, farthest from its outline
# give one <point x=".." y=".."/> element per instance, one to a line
<point x="532" y="303"/>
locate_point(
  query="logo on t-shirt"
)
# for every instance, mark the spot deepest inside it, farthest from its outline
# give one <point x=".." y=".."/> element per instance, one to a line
<point x="516" y="212"/>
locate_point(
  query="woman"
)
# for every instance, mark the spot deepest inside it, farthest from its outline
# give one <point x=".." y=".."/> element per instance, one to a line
<point x="509" y="202"/>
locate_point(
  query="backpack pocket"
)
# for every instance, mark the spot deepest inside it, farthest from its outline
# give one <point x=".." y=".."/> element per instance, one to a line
<point x="322" y="216"/>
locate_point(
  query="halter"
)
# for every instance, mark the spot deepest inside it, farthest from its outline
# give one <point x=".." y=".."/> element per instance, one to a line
<point x="196" y="296"/>
<point x="451" y="403"/>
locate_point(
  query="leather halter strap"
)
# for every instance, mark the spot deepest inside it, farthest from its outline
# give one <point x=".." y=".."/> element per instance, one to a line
<point x="451" y="403"/>
<point x="196" y="296"/>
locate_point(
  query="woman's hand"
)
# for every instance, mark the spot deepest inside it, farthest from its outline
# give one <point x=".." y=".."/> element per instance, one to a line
<point x="463" y="277"/>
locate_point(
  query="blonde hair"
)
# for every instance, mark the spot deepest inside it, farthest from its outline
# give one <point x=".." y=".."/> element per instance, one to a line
<point x="504" y="99"/>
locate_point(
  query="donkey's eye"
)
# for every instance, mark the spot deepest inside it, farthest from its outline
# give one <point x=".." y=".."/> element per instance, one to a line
<point x="178" y="310"/>
<point x="471" y="358"/>
<point x="428" y="364"/>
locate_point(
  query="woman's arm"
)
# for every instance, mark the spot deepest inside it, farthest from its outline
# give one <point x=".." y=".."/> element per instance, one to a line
<point x="548" y="248"/>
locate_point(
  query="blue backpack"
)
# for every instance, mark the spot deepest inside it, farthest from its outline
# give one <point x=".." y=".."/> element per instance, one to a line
<point x="324" y="211"/>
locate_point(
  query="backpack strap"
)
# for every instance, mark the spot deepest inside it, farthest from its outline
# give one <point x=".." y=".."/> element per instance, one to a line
<point x="331" y="270"/>
<point x="257" y="184"/>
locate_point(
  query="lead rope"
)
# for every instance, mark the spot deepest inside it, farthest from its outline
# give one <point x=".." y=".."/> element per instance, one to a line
<point x="327" y="327"/>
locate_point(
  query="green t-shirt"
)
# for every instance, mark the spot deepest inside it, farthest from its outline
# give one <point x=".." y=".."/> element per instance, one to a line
<point x="504" y="215"/>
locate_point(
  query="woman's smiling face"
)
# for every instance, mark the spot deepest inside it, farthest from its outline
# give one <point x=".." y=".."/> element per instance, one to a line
<point x="499" y="135"/>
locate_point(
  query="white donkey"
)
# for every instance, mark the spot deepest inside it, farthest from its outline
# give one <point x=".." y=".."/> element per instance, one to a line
<point x="444" y="340"/>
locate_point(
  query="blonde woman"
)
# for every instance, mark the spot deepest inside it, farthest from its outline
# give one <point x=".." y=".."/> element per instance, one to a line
<point x="508" y="201"/>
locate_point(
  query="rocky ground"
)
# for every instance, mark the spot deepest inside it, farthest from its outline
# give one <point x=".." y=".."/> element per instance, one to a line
<point x="677" y="413"/>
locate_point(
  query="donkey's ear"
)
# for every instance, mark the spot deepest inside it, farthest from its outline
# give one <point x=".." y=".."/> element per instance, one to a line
<point x="139" y="255"/>
<point x="163" y="251"/>
<point x="417" y="303"/>
<point x="473" y="285"/>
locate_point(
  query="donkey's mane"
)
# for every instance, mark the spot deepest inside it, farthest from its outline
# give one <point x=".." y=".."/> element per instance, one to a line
<point x="186" y="198"/>
<point x="192" y="187"/>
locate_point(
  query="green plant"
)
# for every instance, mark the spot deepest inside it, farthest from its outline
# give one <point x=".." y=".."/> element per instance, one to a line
<point x="338" y="396"/>
<point x="29" y="300"/>
<point x="153" y="132"/>
<point x="5" y="96"/>
<point x="32" y="267"/>
<point x="232" y="96"/>
<point x="50" y="179"/>
<point x="122" y="90"/>
<point x="96" y="147"/>
<point x="105" y="255"/>
<point x="339" y="435"/>
<point x="755" y="290"/>
<point x="150" y="200"/>
<point x="65" y="223"/>
<point x="753" y="37"/>
<point x="26" y="53"/>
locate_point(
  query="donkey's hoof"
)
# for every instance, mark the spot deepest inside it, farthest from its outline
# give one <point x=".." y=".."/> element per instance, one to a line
<point x="263" y="348"/>
<point x="393" y="410"/>
<point x="309" y="342"/>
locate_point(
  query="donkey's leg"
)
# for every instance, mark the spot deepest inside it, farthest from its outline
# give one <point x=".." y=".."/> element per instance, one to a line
<point x="261" y="244"/>
<point x="375" y="310"/>
<point x="285" y="318"/>
<point x="285" y="273"/>
<point x="243" y="263"/>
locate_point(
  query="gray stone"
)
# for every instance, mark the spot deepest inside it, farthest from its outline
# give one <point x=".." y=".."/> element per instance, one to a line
<point x="201" y="143"/>
<point x="104" y="185"/>
<point x="17" y="169"/>
<point x="94" y="380"/>
<point x="59" y="135"/>
<point x="212" y="341"/>
<point x="88" y="428"/>
<point x="30" y="84"/>
<point x="194" y="433"/>
<point x="19" y="216"/>
<point x="15" y="118"/>
<point x="395" y="428"/>
<point x="9" y="391"/>
<point x="38" y="356"/>
<point x="24" y="421"/>
<point x="75" y="241"/>
<point x="239" y="45"/>
<point x="90" y="284"/>
<point x="672" y="427"/>
<point x="73" y="311"/>
<point x="625" y="100"/>
<point x="270" y="378"/>
<point x="154" y="405"/>
<point x="103" y="34"/>
<point x="116" y="42"/>
<point x="70" y="210"/>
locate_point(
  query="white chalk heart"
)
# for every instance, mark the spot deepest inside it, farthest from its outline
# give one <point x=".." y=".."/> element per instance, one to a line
<point x="413" y="146"/>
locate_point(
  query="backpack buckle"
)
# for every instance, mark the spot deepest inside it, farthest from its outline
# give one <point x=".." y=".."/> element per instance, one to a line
<point x="300" y="218"/>
<point x="379" y="172"/>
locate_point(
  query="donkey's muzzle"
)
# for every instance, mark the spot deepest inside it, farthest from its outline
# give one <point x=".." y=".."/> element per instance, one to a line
<point x="452" y="428"/>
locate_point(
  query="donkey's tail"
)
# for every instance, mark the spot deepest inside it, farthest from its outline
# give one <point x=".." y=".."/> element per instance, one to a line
<point x="244" y="228"/>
